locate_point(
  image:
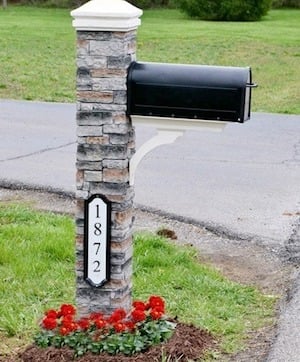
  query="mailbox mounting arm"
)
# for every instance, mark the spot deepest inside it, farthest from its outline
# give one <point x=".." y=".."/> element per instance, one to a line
<point x="163" y="137"/>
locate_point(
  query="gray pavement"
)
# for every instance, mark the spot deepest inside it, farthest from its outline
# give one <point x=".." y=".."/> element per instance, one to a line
<point x="243" y="182"/>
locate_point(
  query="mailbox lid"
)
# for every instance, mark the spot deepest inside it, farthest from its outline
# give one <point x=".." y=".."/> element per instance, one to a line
<point x="189" y="91"/>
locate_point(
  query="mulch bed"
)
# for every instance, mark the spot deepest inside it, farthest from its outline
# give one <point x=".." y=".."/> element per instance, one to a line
<point x="187" y="343"/>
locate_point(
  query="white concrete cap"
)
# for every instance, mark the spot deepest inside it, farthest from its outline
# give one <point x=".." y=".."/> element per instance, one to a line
<point x="106" y="15"/>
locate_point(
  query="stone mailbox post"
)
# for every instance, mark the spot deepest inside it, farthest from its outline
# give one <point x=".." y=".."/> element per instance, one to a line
<point x="106" y="46"/>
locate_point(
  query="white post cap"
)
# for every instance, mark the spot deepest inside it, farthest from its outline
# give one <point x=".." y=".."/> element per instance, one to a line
<point x="106" y="15"/>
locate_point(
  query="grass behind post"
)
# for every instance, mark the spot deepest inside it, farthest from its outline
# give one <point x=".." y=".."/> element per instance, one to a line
<point x="37" y="52"/>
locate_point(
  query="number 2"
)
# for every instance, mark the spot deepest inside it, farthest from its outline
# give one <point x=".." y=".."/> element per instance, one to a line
<point x="97" y="268"/>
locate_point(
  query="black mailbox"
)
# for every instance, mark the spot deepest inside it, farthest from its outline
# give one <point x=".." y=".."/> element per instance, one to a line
<point x="189" y="91"/>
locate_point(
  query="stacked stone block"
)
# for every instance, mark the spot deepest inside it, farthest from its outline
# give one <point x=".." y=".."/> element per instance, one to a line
<point x="105" y="146"/>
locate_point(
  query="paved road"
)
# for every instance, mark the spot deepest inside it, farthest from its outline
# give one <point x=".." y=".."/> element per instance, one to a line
<point x="244" y="181"/>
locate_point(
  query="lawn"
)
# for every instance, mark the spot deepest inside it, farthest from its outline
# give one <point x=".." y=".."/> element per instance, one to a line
<point x="37" y="272"/>
<point x="37" y="52"/>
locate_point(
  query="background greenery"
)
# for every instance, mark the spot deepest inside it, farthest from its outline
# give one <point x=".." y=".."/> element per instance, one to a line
<point x="37" y="52"/>
<point x="144" y="4"/>
<point x="286" y="3"/>
<point x="226" y="10"/>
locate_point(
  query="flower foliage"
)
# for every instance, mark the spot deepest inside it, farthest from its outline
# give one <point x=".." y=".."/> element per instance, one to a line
<point x="120" y="332"/>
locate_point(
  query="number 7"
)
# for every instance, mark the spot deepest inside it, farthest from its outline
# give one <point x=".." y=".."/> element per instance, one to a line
<point x="98" y="247"/>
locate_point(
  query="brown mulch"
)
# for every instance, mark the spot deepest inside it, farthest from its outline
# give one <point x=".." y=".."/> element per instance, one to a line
<point x="187" y="343"/>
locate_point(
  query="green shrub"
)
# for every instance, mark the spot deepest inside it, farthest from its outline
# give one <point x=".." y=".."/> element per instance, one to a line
<point x="146" y="4"/>
<point x="226" y="10"/>
<point x="55" y="3"/>
<point x="143" y="4"/>
<point x="286" y="4"/>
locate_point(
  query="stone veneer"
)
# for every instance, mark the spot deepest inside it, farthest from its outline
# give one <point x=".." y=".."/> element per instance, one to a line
<point x="105" y="146"/>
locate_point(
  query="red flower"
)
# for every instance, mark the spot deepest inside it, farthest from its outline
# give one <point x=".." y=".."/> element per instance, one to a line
<point x="69" y="323"/>
<point x="156" y="314"/>
<point x="95" y="316"/>
<point x="51" y="313"/>
<point x="100" y="323"/>
<point x="138" y="315"/>
<point x="67" y="320"/>
<point x="64" y="331"/>
<point x="139" y="305"/>
<point x="49" y="323"/>
<point x="160" y="309"/>
<point x="84" y="323"/>
<point x="73" y="327"/>
<point x="119" y="327"/>
<point x="67" y="309"/>
<point x="157" y="302"/>
<point x="117" y="315"/>
<point x="130" y="325"/>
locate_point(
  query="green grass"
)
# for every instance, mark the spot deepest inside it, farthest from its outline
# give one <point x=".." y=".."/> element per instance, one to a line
<point x="36" y="266"/>
<point x="37" y="272"/>
<point x="37" y="52"/>
<point x="197" y="293"/>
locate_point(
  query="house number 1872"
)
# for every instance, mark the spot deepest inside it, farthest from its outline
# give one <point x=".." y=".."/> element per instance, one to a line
<point x="96" y="253"/>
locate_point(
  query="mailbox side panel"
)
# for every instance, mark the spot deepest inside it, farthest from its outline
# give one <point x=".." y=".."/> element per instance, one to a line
<point x="184" y="91"/>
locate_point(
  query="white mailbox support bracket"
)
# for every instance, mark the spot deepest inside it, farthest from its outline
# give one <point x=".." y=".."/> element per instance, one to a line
<point x="168" y="130"/>
<point x="163" y="137"/>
